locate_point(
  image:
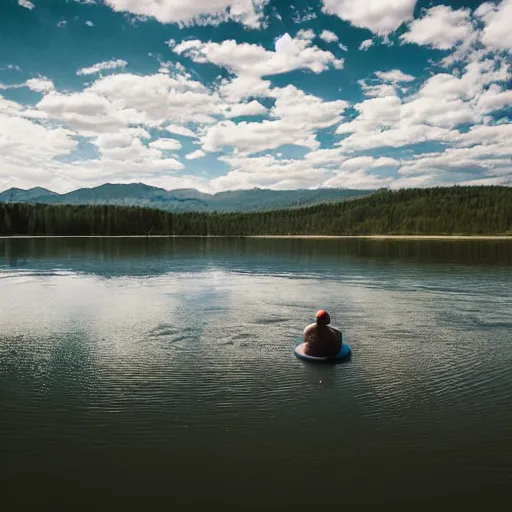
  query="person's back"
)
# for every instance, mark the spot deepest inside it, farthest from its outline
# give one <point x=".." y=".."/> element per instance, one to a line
<point x="321" y="339"/>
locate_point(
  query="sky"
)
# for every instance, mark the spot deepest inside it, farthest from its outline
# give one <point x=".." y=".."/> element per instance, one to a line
<point x="236" y="94"/>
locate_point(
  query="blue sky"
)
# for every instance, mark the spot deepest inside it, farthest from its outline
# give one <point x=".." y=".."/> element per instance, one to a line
<point x="182" y="94"/>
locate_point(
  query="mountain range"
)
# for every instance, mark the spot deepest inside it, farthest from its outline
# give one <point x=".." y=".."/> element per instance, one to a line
<point x="183" y="200"/>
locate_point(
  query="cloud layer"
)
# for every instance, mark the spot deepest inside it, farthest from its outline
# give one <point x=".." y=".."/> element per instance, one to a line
<point x="380" y="16"/>
<point x="200" y="11"/>
<point x="227" y="113"/>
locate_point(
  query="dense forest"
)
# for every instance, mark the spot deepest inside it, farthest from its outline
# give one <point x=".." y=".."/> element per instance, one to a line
<point x="431" y="211"/>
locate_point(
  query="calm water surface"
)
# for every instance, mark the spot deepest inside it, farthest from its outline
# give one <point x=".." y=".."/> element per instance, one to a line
<point x="160" y="373"/>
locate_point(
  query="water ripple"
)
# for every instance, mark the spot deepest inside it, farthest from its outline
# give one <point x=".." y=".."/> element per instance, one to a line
<point x="144" y="382"/>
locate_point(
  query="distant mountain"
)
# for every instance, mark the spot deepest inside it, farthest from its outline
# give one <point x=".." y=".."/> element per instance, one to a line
<point x="183" y="200"/>
<point x="19" y="195"/>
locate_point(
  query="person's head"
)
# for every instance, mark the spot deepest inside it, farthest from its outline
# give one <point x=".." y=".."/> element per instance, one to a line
<point x="323" y="318"/>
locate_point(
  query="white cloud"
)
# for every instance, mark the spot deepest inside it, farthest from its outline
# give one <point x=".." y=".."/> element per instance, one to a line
<point x="253" y="108"/>
<point x="343" y="47"/>
<point x="366" y="44"/>
<point x="304" y="15"/>
<point x="115" y="102"/>
<point x="497" y="34"/>
<point x="484" y="9"/>
<point x="434" y="111"/>
<point x="28" y="150"/>
<point x="254" y="60"/>
<point x="164" y="68"/>
<point x="89" y="23"/>
<point x="253" y="137"/>
<point x="180" y="130"/>
<point x="444" y="85"/>
<point x="479" y="163"/>
<point x="166" y="144"/>
<point x="103" y="66"/>
<point x="173" y="68"/>
<point x="87" y="113"/>
<point x="125" y="152"/>
<point x="307" y="34"/>
<point x="9" y="107"/>
<point x="187" y="12"/>
<point x="242" y="87"/>
<point x="282" y="173"/>
<point x="378" y="90"/>
<point x="441" y="28"/>
<point x="358" y="179"/>
<point x="354" y="173"/>
<point x="26" y="3"/>
<point x="368" y="162"/>
<point x="499" y="180"/>
<point x="328" y="36"/>
<point x="62" y="23"/>
<point x="4" y="87"/>
<point x="380" y="16"/>
<point x="487" y="135"/>
<point x="195" y="154"/>
<point x="479" y="72"/>
<point x="494" y="99"/>
<point x="155" y="99"/>
<point x="305" y="111"/>
<point x="325" y="157"/>
<point x="135" y="151"/>
<point x="120" y="139"/>
<point x="389" y="121"/>
<point x="21" y="137"/>
<point x="442" y="102"/>
<point x="269" y="172"/>
<point x="41" y="84"/>
<point x="394" y="75"/>
<point x="374" y="114"/>
<point x="295" y="118"/>
<point x="400" y="136"/>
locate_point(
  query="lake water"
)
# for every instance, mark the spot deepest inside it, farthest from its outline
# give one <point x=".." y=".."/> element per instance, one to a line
<point x="160" y="373"/>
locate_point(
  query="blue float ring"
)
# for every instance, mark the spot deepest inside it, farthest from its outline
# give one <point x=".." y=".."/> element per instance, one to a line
<point x="344" y="355"/>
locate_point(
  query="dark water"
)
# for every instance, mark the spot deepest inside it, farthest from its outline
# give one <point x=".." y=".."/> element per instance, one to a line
<point x="157" y="374"/>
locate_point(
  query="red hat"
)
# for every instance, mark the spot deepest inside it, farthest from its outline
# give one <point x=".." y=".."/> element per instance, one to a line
<point x="323" y="315"/>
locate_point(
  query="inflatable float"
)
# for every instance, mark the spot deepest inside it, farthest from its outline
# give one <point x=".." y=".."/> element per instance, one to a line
<point x="343" y="355"/>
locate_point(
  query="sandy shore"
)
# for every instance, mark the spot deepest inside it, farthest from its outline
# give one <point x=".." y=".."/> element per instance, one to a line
<point x="298" y="237"/>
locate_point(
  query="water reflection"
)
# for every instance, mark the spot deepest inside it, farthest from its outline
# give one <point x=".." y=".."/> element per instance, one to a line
<point x="135" y="256"/>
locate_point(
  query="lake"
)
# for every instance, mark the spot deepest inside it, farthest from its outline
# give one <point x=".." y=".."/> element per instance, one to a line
<point x="160" y="373"/>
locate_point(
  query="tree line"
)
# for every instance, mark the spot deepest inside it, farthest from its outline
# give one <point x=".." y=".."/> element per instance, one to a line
<point x="483" y="210"/>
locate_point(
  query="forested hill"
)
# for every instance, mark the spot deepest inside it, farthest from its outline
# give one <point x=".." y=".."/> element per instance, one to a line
<point x="432" y="211"/>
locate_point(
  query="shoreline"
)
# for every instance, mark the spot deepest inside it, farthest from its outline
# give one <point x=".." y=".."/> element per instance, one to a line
<point x="282" y="237"/>
<point x="391" y="237"/>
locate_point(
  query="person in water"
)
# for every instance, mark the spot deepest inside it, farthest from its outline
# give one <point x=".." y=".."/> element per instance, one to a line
<point x="321" y="339"/>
